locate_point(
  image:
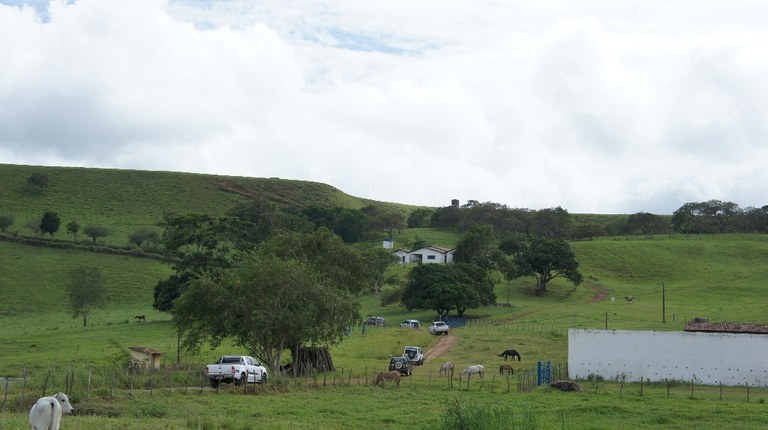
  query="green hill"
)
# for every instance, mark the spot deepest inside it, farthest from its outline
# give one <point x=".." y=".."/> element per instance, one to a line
<point x="126" y="200"/>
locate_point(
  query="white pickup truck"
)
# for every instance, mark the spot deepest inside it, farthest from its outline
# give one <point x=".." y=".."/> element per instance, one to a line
<point x="240" y="369"/>
<point x="438" y="328"/>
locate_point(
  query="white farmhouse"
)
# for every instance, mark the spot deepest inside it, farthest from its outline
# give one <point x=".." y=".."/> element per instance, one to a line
<point x="427" y="255"/>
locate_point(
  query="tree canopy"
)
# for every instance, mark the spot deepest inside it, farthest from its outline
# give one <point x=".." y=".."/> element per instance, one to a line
<point x="543" y="258"/>
<point x="446" y="287"/>
<point x="87" y="289"/>
<point x="49" y="223"/>
<point x="295" y="289"/>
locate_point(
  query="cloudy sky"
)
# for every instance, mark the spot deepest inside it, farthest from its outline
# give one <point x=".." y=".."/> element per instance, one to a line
<point x="596" y="106"/>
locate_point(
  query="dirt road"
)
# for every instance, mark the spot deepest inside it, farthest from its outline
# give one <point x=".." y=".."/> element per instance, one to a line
<point x="443" y="346"/>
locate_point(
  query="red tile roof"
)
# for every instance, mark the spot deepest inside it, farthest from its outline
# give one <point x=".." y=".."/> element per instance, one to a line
<point x="727" y="327"/>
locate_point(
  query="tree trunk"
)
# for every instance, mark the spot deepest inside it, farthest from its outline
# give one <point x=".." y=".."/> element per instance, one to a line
<point x="312" y="359"/>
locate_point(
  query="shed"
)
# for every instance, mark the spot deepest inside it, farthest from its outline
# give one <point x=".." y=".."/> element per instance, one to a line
<point x="148" y="357"/>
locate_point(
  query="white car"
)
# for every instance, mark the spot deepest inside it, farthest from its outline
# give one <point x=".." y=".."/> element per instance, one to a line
<point x="439" y="327"/>
<point x="410" y="324"/>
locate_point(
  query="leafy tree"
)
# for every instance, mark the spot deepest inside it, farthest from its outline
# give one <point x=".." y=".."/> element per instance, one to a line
<point x="419" y="218"/>
<point x="73" y="228"/>
<point x="444" y="287"/>
<point x="552" y="222"/>
<point x="478" y="247"/>
<point x="543" y="258"/>
<point x="386" y="220"/>
<point x="755" y="220"/>
<point x="49" y="223"/>
<point x="646" y="223"/>
<point x="39" y="180"/>
<point x="712" y="216"/>
<point x="378" y="260"/>
<point x="350" y="224"/>
<point x="95" y="232"/>
<point x="5" y="222"/>
<point x="142" y="236"/>
<point x="87" y="289"/>
<point x="446" y="217"/>
<point x="296" y="289"/>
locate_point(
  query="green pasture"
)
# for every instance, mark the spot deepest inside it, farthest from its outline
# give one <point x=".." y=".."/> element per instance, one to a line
<point x="124" y="201"/>
<point x="721" y="277"/>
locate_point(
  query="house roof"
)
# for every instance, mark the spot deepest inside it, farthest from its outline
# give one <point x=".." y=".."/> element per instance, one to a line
<point x="144" y="350"/>
<point x="436" y="249"/>
<point x="727" y="327"/>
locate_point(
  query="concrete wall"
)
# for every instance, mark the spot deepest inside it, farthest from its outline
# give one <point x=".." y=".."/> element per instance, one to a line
<point x="710" y="358"/>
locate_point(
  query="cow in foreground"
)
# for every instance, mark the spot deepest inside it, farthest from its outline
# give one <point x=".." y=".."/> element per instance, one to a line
<point x="393" y="376"/>
<point x="46" y="413"/>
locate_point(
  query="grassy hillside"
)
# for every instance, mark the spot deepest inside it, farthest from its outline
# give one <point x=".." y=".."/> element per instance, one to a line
<point x="126" y="200"/>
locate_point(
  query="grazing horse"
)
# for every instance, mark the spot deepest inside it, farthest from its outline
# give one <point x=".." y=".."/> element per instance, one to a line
<point x="393" y="376"/>
<point x="477" y="369"/>
<point x="629" y="299"/>
<point x="446" y="368"/>
<point x="141" y="318"/>
<point x="506" y="368"/>
<point x="510" y="353"/>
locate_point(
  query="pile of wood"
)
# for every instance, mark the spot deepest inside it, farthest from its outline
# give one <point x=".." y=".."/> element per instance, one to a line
<point x="312" y="360"/>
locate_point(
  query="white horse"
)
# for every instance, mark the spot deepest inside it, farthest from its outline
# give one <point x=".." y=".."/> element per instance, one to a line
<point x="472" y="370"/>
<point x="446" y="368"/>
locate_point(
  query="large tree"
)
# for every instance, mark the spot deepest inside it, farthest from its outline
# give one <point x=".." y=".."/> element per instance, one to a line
<point x="445" y="287"/>
<point x="49" y="223"/>
<point x="543" y="258"/>
<point x="292" y="291"/>
<point x="87" y="289"/>
<point x="646" y="223"/>
<point x="478" y="246"/>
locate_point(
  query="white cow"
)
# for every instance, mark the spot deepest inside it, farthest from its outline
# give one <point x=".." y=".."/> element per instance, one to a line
<point x="46" y="413"/>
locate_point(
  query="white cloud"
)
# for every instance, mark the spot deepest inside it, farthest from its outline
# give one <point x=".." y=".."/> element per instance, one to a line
<point x="588" y="105"/>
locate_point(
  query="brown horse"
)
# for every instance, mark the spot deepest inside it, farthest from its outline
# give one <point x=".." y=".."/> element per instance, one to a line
<point x="506" y="368"/>
<point x="510" y="353"/>
<point x="141" y="318"/>
<point x="393" y="376"/>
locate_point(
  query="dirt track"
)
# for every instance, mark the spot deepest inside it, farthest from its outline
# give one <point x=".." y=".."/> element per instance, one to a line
<point x="445" y="344"/>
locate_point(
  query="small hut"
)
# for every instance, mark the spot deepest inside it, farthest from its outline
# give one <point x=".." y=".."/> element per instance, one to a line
<point x="147" y="357"/>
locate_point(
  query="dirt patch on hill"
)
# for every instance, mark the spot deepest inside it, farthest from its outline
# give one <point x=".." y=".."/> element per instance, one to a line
<point x="600" y="292"/>
<point x="443" y="346"/>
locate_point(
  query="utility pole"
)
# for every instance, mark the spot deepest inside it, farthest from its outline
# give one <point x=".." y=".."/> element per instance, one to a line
<point x="663" y="304"/>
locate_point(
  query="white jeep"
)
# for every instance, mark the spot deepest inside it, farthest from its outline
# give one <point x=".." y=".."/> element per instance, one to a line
<point x="414" y="354"/>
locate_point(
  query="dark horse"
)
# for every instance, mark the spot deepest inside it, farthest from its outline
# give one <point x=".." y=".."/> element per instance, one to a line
<point x="510" y="353"/>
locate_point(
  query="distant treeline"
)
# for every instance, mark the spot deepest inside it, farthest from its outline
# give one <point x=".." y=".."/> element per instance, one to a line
<point x="713" y="216"/>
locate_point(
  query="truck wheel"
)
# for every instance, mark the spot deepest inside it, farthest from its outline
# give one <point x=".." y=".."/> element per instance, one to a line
<point x="263" y="379"/>
<point x="214" y="383"/>
<point x="243" y="379"/>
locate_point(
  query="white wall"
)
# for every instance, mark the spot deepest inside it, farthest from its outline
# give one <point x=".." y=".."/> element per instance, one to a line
<point x="710" y="358"/>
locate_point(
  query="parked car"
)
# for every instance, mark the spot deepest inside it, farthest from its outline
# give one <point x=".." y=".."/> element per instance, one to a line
<point x="377" y="321"/>
<point x="401" y="364"/>
<point x="414" y="354"/>
<point x="410" y="324"/>
<point x="240" y="369"/>
<point x="439" y="327"/>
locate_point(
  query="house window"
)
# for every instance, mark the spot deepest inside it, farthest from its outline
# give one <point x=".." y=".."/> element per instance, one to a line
<point x="430" y="257"/>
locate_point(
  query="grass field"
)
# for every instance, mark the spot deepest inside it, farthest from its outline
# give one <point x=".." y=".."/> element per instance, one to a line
<point x="722" y="277"/>
<point x="124" y="201"/>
